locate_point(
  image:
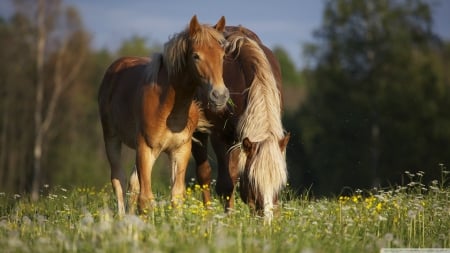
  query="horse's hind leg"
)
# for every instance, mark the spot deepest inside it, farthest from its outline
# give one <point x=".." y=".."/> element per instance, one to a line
<point x="203" y="170"/>
<point x="113" y="149"/>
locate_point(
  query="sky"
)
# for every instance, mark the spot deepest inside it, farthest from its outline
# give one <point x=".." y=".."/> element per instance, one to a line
<point x="285" y="23"/>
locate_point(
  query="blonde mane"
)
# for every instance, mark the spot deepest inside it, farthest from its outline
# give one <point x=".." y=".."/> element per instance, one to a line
<point x="261" y="123"/>
<point x="176" y="49"/>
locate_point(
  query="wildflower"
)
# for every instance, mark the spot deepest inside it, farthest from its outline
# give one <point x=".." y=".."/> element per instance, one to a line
<point x="343" y="199"/>
<point x="369" y="202"/>
<point x="382" y="218"/>
<point x="378" y="207"/>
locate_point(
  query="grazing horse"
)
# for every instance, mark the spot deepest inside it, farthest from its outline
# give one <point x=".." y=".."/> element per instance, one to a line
<point x="248" y="138"/>
<point x="148" y="104"/>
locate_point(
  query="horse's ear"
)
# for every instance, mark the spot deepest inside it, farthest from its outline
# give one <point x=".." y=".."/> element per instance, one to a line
<point x="194" y="26"/>
<point x="220" y="26"/>
<point x="284" y="141"/>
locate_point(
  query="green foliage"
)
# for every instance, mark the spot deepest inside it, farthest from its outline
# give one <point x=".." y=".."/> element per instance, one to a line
<point x="83" y="220"/>
<point x="73" y="152"/>
<point x="289" y="73"/>
<point x="375" y="102"/>
<point x="136" y="46"/>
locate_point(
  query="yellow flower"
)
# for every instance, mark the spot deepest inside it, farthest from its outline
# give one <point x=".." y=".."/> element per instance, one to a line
<point x="378" y="207"/>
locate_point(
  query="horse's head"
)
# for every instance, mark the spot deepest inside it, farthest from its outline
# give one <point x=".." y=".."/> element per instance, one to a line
<point x="249" y="193"/>
<point x="207" y="50"/>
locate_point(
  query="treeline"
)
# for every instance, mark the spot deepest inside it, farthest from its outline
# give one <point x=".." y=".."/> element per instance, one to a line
<point x="49" y="77"/>
<point x="377" y="99"/>
<point x="371" y="103"/>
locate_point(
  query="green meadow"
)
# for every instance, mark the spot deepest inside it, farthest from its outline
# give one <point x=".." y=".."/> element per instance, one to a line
<point x="84" y="220"/>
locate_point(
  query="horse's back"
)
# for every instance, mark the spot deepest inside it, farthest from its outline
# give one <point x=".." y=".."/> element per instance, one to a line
<point x="117" y="97"/>
<point x="239" y="71"/>
<point x="241" y="30"/>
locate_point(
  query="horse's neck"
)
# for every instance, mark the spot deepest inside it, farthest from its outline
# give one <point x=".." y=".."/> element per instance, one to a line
<point x="181" y="94"/>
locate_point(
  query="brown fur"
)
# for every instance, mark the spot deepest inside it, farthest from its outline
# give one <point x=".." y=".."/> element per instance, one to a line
<point x="229" y="130"/>
<point x="148" y="105"/>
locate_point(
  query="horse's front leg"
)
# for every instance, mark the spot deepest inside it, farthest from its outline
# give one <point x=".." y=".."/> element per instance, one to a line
<point x="145" y="158"/>
<point x="203" y="169"/>
<point x="233" y="171"/>
<point x="179" y="159"/>
<point x="227" y="175"/>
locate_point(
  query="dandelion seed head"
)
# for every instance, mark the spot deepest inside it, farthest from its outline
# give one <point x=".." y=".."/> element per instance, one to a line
<point x="412" y="214"/>
<point x="26" y="220"/>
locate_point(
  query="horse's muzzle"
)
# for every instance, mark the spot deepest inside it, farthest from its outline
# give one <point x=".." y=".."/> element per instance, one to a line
<point x="218" y="98"/>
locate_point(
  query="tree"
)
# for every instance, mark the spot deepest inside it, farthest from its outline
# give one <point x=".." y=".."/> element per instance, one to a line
<point x="136" y="46"/>
<point x="67" y="30"/>
<point x="293" y="83"/>
<point x="374" y="95"/>
<point x="291" y="76"/>
<point x="15" y="83"/>
<point x="53" y="46"/>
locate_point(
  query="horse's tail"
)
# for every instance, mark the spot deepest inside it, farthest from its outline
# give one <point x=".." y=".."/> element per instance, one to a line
<point x="105" y="90"/>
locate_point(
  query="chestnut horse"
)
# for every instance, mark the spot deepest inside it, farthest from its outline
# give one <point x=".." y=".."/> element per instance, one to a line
<point x="248" y="138"/>
<point x="148" y="104"/>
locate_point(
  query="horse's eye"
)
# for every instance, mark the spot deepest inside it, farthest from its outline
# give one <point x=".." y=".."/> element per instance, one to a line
<point x="196" y="56"/>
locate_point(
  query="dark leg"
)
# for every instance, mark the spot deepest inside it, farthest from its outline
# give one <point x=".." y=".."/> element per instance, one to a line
<point x="113" y="149"/>
<point x="225" y="180"/>
<point x="203" y="170"/>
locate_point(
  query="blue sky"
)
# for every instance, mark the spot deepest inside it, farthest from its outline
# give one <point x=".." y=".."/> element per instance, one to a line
<point x="286" y="23"/>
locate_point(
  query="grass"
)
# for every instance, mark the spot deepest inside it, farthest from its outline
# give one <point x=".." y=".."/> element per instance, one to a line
<point x="83" y="220"/>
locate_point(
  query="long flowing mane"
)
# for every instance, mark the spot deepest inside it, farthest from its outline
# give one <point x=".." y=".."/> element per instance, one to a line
<point x="261" y="122"/>
<point x="176" y="49"/>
